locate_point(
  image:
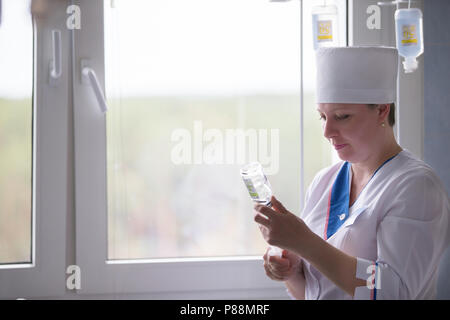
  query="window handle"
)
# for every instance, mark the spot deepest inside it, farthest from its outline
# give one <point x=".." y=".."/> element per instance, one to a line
<point x="89" y="77"/>
<point x="56" y="63"/>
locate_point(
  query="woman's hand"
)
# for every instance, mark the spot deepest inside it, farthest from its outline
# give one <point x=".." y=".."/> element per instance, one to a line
<point x="281" y="228"/>
<point x="282" y="268"/>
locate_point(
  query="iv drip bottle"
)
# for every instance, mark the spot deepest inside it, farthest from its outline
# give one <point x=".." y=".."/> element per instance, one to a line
<point x="257" y="184"/>
<point x="325" y="26"/>
<point x="409" y="35"/>
<point x="260" y="191"/>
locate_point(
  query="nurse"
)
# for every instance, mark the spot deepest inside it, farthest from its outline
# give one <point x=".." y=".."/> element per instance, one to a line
<point x="374" y="225"/>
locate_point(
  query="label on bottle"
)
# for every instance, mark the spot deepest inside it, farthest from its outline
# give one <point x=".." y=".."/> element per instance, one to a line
<point x="251" y="189"/>
<point x="409" y="35"/>
<point x="324" y="30"/>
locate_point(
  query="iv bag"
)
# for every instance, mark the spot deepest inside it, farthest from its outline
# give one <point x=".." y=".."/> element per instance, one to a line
<point x="409" y="35"/>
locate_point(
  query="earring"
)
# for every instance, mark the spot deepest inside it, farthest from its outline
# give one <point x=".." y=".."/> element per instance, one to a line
<point x="383" y="125"/>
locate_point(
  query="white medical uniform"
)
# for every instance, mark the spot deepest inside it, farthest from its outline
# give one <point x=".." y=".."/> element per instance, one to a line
<point x="397" y="228"/>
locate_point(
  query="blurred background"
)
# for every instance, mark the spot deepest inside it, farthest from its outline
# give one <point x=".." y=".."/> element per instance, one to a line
<point x="16" y="109"/>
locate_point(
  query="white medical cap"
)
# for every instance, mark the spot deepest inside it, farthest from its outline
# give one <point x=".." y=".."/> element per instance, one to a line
<point x="363" y="75"/>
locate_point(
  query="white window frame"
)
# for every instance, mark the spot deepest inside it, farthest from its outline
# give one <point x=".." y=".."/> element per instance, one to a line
<point x="45" y="275"/>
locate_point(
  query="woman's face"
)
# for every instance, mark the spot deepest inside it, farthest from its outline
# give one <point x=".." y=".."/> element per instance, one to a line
<point x="351" y="129"/>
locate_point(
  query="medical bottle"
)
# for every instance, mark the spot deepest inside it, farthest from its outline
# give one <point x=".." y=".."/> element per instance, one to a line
<point x="259" y="188"/>
<point x="325" y="26"/>
<point x="409" y="35"/>
<point x="257" y="184"/>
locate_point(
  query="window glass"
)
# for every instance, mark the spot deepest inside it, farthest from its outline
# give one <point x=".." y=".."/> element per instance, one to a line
<point x="195" y="90"/>
<point x="16" y="88"/>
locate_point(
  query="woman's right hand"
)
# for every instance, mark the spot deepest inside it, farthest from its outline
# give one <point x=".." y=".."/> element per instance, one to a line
<point x="282" y="268"/>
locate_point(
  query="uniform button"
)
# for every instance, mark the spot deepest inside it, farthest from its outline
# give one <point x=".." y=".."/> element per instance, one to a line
<point x="342" y="216"/>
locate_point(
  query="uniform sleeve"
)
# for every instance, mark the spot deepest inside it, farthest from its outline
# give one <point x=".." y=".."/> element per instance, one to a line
<point x="411" y="238"/>
<point x="290" y="295"/>
<point x="304" y="212"/>
<point x="311" y="188"/>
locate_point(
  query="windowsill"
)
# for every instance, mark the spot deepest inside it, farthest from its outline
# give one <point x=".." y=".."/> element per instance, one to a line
<point x="17" y="266"/>
<point x="185" y="260"/>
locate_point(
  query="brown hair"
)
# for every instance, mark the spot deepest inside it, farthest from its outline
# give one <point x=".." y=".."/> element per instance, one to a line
<point x="391" y="118"/>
